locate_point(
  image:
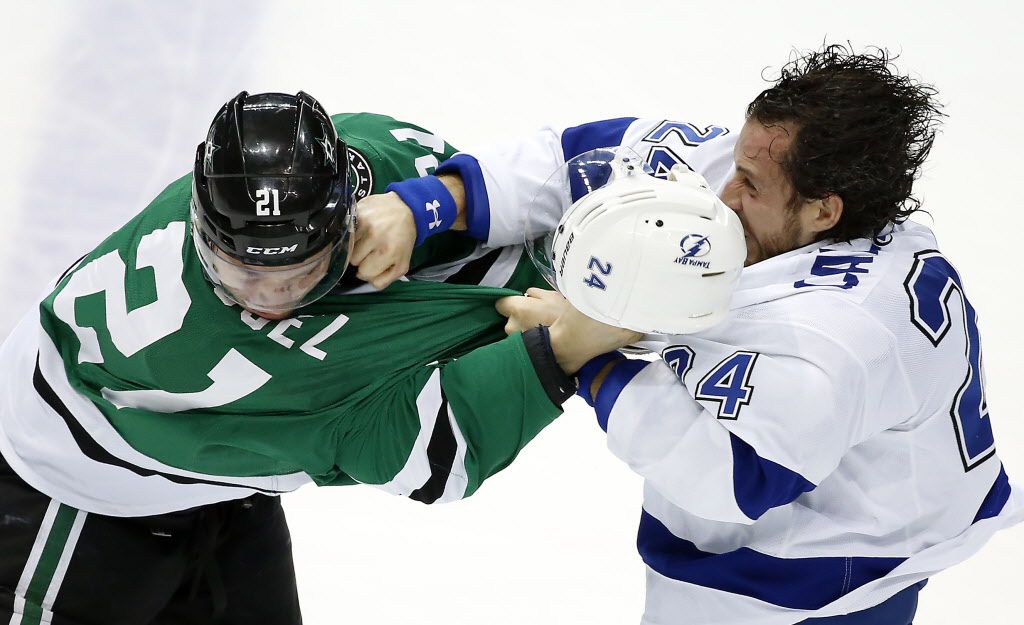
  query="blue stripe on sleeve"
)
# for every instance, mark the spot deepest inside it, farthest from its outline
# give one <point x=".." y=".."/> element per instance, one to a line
<point x="603" y="134"/>
<point x="478" y="208"/>
<point x="761" y="484"/>
<point x="899" y="608"/>
<point x="585" y="376"/>
<point x="996" y="498"/>
<point x="799" y="583"/>
<point x="616" y="380"/>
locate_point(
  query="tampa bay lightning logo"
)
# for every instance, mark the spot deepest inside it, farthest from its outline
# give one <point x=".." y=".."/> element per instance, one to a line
<point x="695" y="245"/>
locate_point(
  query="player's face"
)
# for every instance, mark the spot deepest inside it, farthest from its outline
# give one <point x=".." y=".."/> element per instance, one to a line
<point x="271" y="291"/>
<point x="762" y="196"/>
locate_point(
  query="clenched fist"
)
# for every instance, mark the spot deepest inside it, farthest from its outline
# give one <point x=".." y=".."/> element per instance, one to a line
<point x="385" y="235"/>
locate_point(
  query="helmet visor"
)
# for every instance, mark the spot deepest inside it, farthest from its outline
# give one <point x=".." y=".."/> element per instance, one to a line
<point x="275" y="289"/>
<point x="572" y="181"/>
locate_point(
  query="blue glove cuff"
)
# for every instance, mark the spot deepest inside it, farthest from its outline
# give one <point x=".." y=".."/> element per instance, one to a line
<point x="432" y="205"/>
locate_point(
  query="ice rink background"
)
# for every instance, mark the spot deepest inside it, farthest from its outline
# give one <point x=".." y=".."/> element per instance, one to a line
<point x="104" y="102"/>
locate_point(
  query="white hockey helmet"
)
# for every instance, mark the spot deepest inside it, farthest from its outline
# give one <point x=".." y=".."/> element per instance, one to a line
<point x="652" y="255"/>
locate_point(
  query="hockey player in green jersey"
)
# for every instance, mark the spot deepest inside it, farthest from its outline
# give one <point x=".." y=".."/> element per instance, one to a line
<point x="209" y="355"/>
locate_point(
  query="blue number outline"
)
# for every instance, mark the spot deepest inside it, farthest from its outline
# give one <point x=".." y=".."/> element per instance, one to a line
<point x="975" y="379"/>
<point x="662" y="158"/>
<point x="603" y="268"/>
<point x="681" y="366"/>
<point x="688" y="133"/>
<point x="744" y="385"/>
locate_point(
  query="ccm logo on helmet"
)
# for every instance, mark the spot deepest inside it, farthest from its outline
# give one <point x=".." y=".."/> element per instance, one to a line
<point x="267" y="251"/>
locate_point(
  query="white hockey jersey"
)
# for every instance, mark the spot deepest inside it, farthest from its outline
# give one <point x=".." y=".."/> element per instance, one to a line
<point x="825" y="447"/>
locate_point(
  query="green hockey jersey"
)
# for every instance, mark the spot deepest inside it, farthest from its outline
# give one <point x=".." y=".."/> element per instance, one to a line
<point x="383" y="150"/>
<point x="137" y="388"/>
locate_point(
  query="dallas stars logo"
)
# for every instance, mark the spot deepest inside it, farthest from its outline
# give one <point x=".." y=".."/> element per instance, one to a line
<point x="210" y="149"/>
<point x="363" y="172"/>
<point x="328" y="150"/>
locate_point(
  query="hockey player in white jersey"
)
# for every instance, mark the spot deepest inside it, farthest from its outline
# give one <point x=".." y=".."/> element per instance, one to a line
<point x="827" y="448"/>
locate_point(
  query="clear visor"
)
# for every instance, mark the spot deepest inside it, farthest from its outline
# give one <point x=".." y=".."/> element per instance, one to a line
<point x="275" y="290"/>
<point x="581" y="175"/>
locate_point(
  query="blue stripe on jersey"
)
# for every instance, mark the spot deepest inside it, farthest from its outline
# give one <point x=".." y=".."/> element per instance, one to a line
<point x="898" y="609"/>
<point x="616" y="380"/>
<point x="761" y="484"/>
<point x="478" y="208"/>
<point x="590" y="136"/>
<point x="996" y="498"/>
<point x="798" y="583"/>
<point x="579" y="139"/>
<point x="585" y="376"/>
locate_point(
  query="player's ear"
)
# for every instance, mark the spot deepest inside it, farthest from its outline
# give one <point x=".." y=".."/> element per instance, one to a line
<point x="825" y="213"/>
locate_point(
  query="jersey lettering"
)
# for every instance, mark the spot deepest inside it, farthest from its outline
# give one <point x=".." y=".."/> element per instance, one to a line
<point x="837" y="271"/>
<point x="310" y="346"/>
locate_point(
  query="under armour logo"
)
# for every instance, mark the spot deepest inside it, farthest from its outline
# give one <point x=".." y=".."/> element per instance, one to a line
<point x="433" y="208"/>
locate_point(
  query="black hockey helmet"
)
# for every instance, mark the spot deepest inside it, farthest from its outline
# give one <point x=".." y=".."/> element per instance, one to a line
<point x="271" y="190"/>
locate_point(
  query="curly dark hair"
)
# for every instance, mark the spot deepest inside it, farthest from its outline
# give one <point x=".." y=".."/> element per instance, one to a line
<point x="862" y="133"/>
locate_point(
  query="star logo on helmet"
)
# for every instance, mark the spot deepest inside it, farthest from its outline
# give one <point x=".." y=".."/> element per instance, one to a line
<point x="211" y="147"/>
<point x="328" y="151"/>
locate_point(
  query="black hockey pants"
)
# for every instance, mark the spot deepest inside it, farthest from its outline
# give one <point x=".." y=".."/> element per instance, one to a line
<point x="225" y="564"/>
